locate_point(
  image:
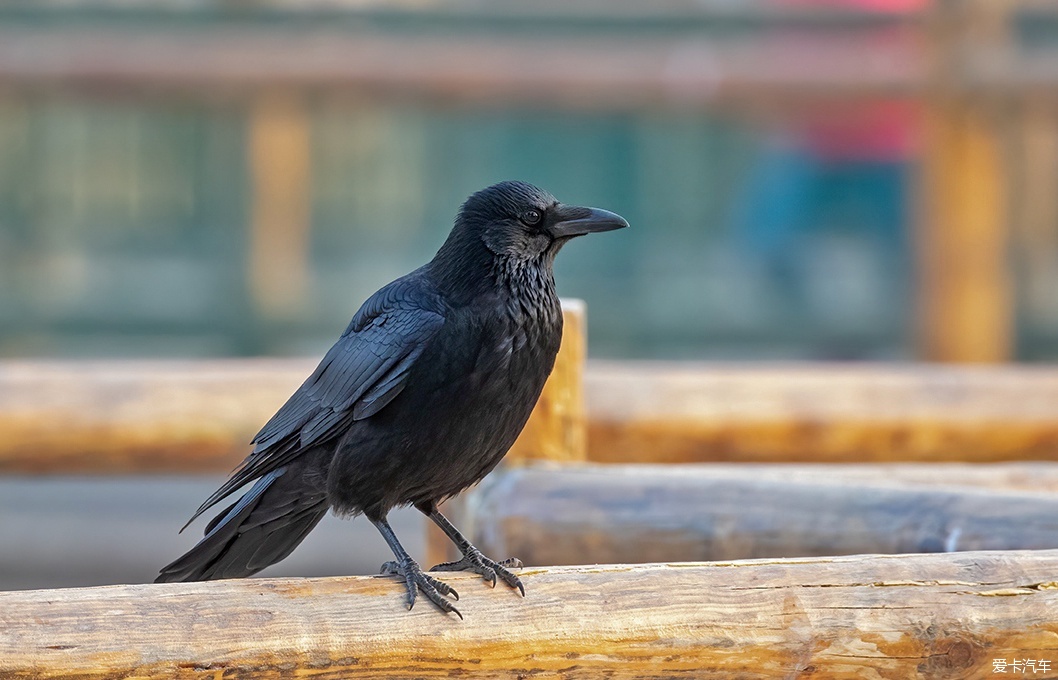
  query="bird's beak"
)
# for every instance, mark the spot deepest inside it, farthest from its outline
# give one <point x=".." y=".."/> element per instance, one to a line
<point x="573" y="220"/>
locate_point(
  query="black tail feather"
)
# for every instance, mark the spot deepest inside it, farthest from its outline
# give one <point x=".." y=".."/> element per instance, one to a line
<point x="262" y="528"/>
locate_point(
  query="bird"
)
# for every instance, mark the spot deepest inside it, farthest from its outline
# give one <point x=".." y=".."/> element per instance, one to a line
<point x="420" y="398"/>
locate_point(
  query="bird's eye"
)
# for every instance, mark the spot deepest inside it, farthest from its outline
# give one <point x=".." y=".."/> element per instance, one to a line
<point x="531" y="217"/>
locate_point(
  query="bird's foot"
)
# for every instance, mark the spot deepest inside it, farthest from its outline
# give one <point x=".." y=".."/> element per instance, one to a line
<point x="415" y="579"/>
<point x="474" y="561"/>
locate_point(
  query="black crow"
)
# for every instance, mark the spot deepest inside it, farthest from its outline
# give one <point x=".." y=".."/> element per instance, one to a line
<point x="420" y="398"/>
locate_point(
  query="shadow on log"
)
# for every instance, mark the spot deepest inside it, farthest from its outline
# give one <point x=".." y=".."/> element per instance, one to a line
<point x="865" y="616"/>
<point x="641" y="513"/>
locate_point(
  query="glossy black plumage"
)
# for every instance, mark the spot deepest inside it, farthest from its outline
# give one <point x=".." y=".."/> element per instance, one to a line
<point x="421" y="396"/>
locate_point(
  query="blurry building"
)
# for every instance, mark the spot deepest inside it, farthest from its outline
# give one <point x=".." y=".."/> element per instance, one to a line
<point x="184" y="219"/>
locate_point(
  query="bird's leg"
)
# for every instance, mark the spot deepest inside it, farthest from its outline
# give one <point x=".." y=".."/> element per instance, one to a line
<point x="414" y="577"/>
<point x="472" y="559"/>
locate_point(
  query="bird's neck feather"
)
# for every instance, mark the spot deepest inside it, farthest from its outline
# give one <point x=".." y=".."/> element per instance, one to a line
<point x="464" y="268"/>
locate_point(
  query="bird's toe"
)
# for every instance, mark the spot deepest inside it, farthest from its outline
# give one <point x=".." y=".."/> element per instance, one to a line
<point x="440" y="586"/>
<point x="509" y="578"/>
<point x="432" y="593"/>
<point x="462" y="564"/>
<point x="489" y="570"/>
<point x="416" y="580"/>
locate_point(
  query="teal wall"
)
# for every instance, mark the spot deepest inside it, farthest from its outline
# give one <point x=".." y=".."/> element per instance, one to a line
<point x="124" y="228"/>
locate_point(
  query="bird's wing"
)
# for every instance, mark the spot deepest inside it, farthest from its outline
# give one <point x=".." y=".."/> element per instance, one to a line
<point x="365" y="370"/>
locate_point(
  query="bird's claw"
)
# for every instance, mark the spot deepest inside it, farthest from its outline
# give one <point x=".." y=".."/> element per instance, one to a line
<point x="474" y="561"/>
<point x="416" y="579"/>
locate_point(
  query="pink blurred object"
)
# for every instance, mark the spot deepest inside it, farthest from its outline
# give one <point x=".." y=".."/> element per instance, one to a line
<point x="884" y="130"/>
<point x="877" y="5"/>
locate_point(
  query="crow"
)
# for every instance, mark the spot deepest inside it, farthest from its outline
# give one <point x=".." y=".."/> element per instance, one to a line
<point x="421" y="397"/>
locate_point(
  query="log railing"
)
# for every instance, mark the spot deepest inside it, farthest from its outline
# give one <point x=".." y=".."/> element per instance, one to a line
<point x="113" y="417"/>
<point x="671" y="513"/>
<point x="193" y="416"/>
<point x="838" y="413"/>
<point x="898" y="616"/>
<point x="942" y="615"/>
<point x="149" y="417"/>
<point x="834" y="617"/>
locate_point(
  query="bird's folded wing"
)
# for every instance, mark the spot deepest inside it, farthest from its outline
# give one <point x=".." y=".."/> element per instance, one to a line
<point x="365" y="370"/>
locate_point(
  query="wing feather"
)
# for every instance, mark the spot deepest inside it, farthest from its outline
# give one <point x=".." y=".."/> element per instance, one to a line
<point x="363" y="372"/>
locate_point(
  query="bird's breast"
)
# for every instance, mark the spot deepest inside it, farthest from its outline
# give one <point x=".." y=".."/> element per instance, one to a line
<point x="466" y="402"/>
<point x="519" y="344"/>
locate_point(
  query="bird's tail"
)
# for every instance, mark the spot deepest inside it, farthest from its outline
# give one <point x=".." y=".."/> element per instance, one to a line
<point x="260" y="529"/>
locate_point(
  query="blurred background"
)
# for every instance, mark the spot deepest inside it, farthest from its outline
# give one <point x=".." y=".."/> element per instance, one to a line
<point x="233" y="178"/>
<point x="806" y="179"/>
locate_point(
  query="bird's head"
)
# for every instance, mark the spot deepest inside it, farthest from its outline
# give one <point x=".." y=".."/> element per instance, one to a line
<point x="517" y="221"/>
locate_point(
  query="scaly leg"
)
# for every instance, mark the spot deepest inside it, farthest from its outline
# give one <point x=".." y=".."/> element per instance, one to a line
<point x="472" y="559"/>
<point x="414" y="577"/>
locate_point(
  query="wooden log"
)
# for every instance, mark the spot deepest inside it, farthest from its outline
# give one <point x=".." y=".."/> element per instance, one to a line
<point x="1031" y="477"/>
<point x="965" y="299"/>
<point x="105" y="417"/>
<point x="640" y="513"/>
<point x="892" y="617"/>
<point x="279" y="150"/>
<point x="965" y="292"/>
<point x="193" y="416"/>
<point x="670" y="413"/>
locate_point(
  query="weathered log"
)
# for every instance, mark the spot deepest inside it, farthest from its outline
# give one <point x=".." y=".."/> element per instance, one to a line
<point x="935" y="616"/>
<point x="640" y="513"/>
<point x="137" y="416"/>
<point x="1033" y="477"/>
<point x="195" y="416"/>
<point x="134" y="416"/>
<point x="681" y="413"/>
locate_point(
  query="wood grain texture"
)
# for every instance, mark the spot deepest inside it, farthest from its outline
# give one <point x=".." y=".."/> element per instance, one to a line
<point x="899" y="617"/>
<point x="105" y="417"/>
<point x="137" y="416"/>
<point x="838" y="413"/>
<point x="662" y="513"/>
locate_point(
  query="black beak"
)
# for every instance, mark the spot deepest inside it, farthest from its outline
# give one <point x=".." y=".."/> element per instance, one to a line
<point x="574" y="220"/>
